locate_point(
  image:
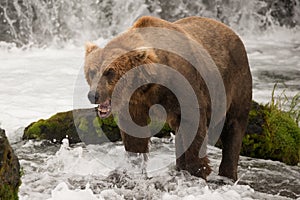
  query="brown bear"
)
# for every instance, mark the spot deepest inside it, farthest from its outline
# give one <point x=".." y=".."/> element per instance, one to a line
<point x="104" y="67"/>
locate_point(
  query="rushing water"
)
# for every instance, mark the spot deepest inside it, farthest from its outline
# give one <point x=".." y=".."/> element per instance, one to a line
<point x="35" y="22"/>
<point x="97" y="172"/>
<point x="37" y="81"/>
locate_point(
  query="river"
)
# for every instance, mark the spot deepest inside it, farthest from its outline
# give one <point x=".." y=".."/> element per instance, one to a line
<point x="37" y="81"/>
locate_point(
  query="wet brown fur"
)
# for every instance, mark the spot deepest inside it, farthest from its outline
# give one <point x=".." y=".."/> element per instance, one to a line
<point x="229" y="55"/>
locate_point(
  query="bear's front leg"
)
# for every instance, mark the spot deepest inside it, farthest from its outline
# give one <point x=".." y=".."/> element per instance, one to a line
<point x="134" y="144"/>
<point x="139" y="144"/>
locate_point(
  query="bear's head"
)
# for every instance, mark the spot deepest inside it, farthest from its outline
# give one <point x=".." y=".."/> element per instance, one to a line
<point x="105" y="66"/>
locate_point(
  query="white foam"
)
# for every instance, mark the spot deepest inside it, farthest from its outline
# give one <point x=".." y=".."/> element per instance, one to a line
<point x="62" y="191"/>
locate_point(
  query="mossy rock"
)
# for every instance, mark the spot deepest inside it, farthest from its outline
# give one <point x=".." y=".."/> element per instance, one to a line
<point x="80" y="125"/>
<point x="9" y="170"/>
<point x="271" y="134"/>
<point x="54" y="128"/>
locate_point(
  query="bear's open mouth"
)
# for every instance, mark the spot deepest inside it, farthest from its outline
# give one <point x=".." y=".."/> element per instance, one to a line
<point x="104" y="109"/>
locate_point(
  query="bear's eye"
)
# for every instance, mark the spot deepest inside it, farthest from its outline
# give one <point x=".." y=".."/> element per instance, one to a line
<point x="109" y="73"/>
<point x="92" y="73"/>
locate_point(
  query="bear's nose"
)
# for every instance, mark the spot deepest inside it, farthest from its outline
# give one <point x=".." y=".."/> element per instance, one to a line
<point x="93" y="96"/>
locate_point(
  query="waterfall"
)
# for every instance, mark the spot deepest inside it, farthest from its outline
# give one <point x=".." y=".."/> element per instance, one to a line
<point x="48" y="22"/>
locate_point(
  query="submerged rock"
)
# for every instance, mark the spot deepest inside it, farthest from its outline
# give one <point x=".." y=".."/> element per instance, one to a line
<point x="9" y="170"/>
<point x="271" y="133"/>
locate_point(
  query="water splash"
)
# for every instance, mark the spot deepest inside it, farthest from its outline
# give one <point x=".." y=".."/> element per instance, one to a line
<point x="58" y="173"/>
<point x="55" y="22"/>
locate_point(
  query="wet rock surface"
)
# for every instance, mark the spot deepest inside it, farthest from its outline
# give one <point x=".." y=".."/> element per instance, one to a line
<point x="9" y="170"/>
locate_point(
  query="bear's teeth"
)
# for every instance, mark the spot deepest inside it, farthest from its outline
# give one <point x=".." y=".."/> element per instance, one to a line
<point x="104" y="109"/>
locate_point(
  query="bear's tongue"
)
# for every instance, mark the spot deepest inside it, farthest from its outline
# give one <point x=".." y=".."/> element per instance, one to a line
<point x="104" y="109"/>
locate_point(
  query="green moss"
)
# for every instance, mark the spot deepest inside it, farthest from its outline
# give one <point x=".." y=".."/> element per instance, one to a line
<point x="283" y="137"/>
<point x="34" y="131"/>
<point x="97" y="123"/>
<point x="7" y="192"/>
<point x="79" y="125"/>
<point x="22" y="172"/>
<point x="83" y="125"/>
<point x="110" y="121"/>
<point x="165" y="131"/>
<point x="272" y="134"/>
<point x="56" y="127"/>
<point x="167" y="128"/>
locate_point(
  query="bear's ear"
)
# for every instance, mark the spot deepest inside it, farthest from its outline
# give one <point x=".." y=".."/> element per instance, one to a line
<point x="142" y="54"/>
<point x="148" y="56"/>
<point x="89" y="47"/>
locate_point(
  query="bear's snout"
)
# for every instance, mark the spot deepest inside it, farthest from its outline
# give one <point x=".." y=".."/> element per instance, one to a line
<point x="93" y="96"/>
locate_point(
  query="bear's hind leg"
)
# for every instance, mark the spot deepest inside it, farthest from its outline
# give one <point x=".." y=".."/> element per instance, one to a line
<point x="231" y="137"/>
<point x="180" y="154"/>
